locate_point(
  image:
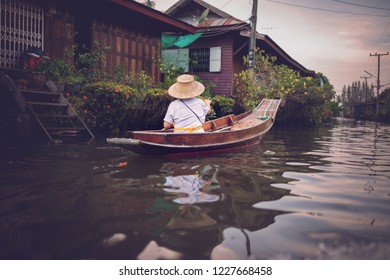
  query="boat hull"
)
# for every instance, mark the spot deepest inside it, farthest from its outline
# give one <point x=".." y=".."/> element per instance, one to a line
<point x="221" y="134"/>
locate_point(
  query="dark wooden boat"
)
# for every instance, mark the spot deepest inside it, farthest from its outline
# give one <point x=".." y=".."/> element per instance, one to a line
<point x="227" y="132"/>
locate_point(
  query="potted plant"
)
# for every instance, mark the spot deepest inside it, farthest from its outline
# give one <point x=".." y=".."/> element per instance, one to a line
<point x="74" y="82"/>
<point x="57" y="71"/>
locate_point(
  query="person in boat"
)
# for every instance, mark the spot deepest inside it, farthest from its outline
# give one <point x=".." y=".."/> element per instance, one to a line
<point x="187" y="113"/>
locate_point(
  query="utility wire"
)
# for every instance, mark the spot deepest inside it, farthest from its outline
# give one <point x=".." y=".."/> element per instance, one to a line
<point x="326" y="10"/>
<point x="382" y="38"/>
<point x="216" y="33"/>
<point x="359" y="5"/>
<point x="227" y="3"/>
<point x="377" y="48"/>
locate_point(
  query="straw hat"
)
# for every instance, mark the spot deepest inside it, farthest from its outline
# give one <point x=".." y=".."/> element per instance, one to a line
<point x="185" y="87"/>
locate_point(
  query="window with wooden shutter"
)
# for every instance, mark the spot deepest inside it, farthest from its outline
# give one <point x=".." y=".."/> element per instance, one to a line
<point x="215" y="59"/>
<point x="195" y="60"/>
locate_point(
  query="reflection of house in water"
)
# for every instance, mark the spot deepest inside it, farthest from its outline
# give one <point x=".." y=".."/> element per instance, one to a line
<point x="241" y="191"/>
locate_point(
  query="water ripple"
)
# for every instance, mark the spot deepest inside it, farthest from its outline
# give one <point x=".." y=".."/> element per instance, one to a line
<point x="299" y="194"/>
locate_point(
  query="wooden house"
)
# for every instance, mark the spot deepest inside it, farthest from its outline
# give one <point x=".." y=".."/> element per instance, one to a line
<point x="221" y="43"/>
<point x="131" y="30"/>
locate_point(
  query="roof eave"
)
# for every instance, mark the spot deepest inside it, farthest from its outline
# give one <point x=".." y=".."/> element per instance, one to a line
<point x="180" y="3"/>
<point x="232" y="27"/>
<point x="142" y="9"/>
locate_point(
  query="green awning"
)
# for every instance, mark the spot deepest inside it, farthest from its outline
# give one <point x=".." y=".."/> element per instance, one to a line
<point x="180" y="41"/>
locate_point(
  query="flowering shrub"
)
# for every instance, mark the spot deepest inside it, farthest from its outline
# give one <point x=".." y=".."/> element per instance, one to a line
<point x="114" y="107"/>
<point x="246" y="91"/>
<point x="103" y="105"/>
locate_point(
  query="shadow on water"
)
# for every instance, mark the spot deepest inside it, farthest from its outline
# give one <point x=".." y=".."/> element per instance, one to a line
<point x="295" y="195"/>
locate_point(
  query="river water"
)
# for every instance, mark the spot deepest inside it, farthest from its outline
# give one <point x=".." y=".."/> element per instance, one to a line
<point x="299" y="194"/>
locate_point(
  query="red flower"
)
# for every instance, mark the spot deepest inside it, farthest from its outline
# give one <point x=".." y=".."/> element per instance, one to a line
<point x="85" y="111"/>
<point x="116" y="90"/>
<point x="67" y="94"/>
<point x="85" y="97"/>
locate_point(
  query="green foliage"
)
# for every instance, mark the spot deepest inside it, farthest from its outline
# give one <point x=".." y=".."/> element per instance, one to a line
<point x="247" y="91"/>
<point x="74" y="78"/>
<point x="134" y="103"/>
<point x="335" y="108"/>
<point x="357" y="93"/>
<point x="317" y="101"/>
<point x="208" y="87"/>
<point x="113" y="107"/>
<point x="222" y="105"/>
<point x="56" y="70"/>
<point x="149" y="110"/>
<point x="271" y="80"/>
<point x="307" y="96"/>
<point x="384" y="106"/>
<point x="169" y="72"/>
<point x="88" y="62"/>
<point x="150" y="3"/>
<point x="141" y="82"/>
<point x="130" y="103"/>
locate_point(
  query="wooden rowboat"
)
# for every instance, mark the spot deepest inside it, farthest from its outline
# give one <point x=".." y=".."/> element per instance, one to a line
<point x="227" y="132"/>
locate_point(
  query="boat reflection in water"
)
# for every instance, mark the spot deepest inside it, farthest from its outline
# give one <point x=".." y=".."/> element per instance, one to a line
<point x="214" y="215"/>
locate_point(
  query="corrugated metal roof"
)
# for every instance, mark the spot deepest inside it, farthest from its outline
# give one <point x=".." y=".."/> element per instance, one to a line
<point x="213" y="22"/>
<point x="216" y="22"/>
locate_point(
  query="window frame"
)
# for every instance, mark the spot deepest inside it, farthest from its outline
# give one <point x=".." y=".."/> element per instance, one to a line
<point x="182" y="58"/>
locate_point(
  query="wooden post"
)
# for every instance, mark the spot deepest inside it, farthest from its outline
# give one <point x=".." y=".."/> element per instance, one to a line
<point x="252" y="40"/>
<point x="378" y="83"/>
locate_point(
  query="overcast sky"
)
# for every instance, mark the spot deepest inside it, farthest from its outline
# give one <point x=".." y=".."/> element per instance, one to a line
<point x="327" y="36"/>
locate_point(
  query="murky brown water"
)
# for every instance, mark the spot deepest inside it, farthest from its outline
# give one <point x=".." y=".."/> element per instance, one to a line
<point x="300" y="194"/>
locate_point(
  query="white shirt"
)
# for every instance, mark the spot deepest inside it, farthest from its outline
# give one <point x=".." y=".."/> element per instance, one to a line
<point x="181" y="116"/>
